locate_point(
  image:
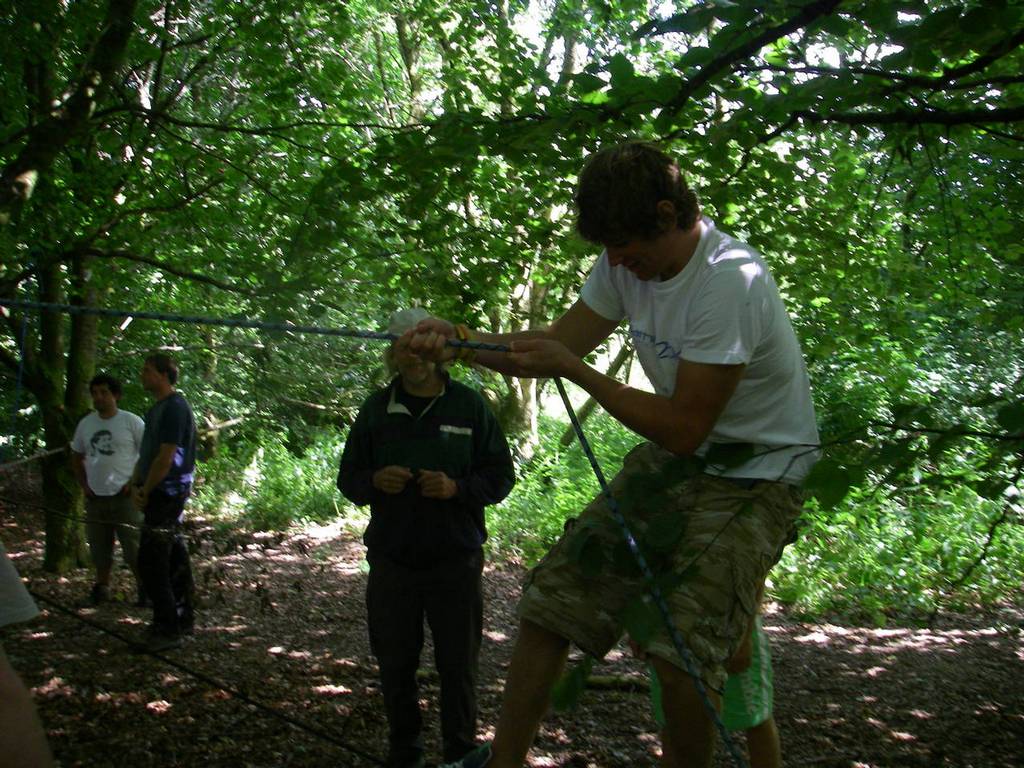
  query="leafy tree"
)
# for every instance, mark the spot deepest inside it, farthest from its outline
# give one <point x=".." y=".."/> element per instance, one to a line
<point x="313" y="162"/>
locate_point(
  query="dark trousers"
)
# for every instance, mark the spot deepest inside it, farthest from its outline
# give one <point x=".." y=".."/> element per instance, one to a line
<point x="164" y="565"/>
<point x="450" y="597"/>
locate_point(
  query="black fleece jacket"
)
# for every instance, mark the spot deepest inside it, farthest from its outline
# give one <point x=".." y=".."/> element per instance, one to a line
<point x="456" y="434"/>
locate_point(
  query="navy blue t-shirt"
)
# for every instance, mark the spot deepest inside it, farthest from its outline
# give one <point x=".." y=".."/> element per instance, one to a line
<point x="170" y="421"/>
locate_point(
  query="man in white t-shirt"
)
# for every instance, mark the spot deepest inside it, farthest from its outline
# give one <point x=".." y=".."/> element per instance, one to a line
<point x="104" y="450"/>
<point x="712" y="497"/>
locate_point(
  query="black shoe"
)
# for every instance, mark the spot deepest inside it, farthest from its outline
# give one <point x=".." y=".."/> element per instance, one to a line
<point x="478" y="758"/>
<point x="100" y="594"/>
<point x="416" y="762"/>
<point x="158" y="642"/>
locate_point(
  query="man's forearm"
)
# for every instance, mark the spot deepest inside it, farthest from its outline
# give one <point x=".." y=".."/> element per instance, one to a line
<point x="157" y="472"/>
<point x="78" y="467"/>
<point x="649" y="415"/>
<point x="498" y="361"/>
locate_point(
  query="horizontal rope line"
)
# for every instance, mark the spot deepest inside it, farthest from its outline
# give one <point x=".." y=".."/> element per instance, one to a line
<point x="230" y="322"/>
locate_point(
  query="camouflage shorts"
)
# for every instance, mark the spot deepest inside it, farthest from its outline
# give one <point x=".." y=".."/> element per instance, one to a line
<point x="709" y="542"/>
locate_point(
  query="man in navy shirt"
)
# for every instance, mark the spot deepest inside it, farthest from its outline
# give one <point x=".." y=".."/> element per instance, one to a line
<point x="162" y="484"/>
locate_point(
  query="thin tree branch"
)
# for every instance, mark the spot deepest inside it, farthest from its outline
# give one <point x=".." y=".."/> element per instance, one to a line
<point x="805" y="16"/>
<point x="169" y="269"/>
<point x="938" y="82"/>
<point x="926" y="116"/>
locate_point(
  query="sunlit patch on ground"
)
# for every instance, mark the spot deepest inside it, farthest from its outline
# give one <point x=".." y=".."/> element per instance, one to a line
<point x="282" y="619"/>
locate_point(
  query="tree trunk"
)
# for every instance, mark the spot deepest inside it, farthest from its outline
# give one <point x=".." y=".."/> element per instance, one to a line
<point x="61" y="407"/>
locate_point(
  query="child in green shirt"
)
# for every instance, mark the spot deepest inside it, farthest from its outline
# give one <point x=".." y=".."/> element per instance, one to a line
<point x="746" y="702"/>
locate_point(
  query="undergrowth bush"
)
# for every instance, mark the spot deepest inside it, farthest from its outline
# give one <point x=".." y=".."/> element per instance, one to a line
<point x="269" y="488"/>
<point x="555" y="486"/>
<point x="874" y="556"/>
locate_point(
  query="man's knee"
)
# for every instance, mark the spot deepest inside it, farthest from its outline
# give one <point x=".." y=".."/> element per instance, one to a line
<point x="679" y="693"/>
<point x="533" y="634"/>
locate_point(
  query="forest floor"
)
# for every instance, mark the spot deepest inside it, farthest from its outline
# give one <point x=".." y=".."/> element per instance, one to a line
<point x="281" y="623"/>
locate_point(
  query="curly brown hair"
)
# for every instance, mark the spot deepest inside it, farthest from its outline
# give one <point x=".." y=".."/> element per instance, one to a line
<point x="619" y="191"/>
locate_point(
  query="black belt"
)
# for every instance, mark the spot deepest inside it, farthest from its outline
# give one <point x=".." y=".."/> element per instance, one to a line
<point x="746" y="483"/>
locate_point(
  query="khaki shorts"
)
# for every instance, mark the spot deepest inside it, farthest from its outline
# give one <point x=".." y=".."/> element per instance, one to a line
<point x="107" y="516"/>
<point x="709" y="542"/>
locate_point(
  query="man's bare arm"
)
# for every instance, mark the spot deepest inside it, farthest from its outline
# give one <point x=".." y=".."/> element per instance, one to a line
<point x="78" y="466"/>
<point x="580" y="330"/>
<point x="680" y="423"/>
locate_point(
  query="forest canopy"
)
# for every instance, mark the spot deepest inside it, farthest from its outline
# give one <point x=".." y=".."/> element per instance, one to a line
<point x="326" y="163"/>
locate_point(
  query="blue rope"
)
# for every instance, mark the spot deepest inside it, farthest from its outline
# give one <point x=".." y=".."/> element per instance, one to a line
<point x="689" y="661"/>
<point x="74" y="309"/>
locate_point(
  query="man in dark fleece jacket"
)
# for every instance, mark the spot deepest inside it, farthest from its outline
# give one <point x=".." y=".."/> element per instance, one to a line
<point x="427" y="455"/>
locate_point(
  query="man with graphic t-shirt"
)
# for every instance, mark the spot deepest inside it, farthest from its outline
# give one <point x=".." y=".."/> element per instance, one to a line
<point x="104" y="450"/>
<point x="731" y="433"/>
<point x="163" y="482"/>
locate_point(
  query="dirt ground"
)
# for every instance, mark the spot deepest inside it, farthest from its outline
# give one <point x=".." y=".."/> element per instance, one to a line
<point x="281" y="624"/>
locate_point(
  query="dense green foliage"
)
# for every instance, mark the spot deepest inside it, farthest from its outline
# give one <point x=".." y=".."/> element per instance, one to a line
<point x="325" y="163"/>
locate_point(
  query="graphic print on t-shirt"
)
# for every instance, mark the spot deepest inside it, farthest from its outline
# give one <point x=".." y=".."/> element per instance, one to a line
<point x="102" y="442"/>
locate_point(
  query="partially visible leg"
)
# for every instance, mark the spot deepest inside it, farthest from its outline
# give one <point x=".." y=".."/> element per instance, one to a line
<point x="128" y="534"/>
<point x="99" y="533"/>
<point x="748" y="703"/>
<point x="763" y="743"/>
<point x="395" y="622"/>
<point x="155" y="569"/>
<point x="22" y="740"/>
<point x="688" y="739"/>
<point x="454" y="608"/>
<point x="182" y="584"/>
<point x="537" y="661"/>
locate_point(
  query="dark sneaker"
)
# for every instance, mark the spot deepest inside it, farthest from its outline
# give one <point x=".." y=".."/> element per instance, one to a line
<point x="158" y="642"/>
<point x="100" y="594"/>
<point x="405" y="760"/>
<point x="478" y="758"/>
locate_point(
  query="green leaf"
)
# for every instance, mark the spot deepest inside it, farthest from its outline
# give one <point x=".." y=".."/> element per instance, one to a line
<point x="568" y="690"/>
<point x="693" y="21"/>
<point x="829" y="482"/>
<point x="641" y="619"/>
<point x="909" y="413"/>
<point x="621" y="69"/>
<point x="586" y="83"/>
<point x="1011" y="417"/>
